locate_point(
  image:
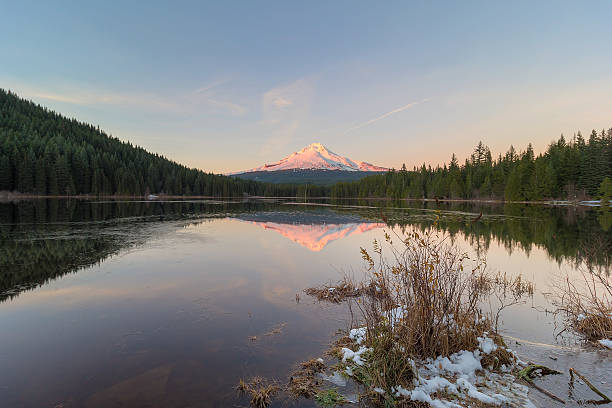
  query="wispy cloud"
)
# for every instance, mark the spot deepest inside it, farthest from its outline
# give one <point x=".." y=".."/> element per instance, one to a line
<point x="281" y="102"/>
<point x="385" y="115"/>
<point x="208" y="95"/>
<point x="203" y="99"/>
<point x="83" y="96"/>
<point x="233" y="108"/>
<point x="284" y="110"/>
<point x="211" y="85"/>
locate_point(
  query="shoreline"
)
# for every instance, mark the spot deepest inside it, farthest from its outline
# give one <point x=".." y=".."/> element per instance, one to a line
<point x="6" y="197"/>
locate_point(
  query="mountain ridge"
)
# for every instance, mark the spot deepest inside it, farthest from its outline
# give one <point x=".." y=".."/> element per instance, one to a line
<point x="315" y="157"/>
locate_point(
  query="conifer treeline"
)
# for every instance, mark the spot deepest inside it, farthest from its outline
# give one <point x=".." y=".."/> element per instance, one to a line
<point x="42" y="152"/>
<point x="572" y="169"/>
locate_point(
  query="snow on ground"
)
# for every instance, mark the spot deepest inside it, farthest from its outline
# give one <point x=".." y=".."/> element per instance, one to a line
<point x="355" y="356"/>
<point x="460" y="374"/>
<point x="358" y="335"/>
<point x="336" y="378"/>
<point x="606" y="343"/>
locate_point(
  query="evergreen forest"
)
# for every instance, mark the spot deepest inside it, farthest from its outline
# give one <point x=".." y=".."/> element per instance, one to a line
<point x="574" y="169"/>
<point x="45" y="153"/>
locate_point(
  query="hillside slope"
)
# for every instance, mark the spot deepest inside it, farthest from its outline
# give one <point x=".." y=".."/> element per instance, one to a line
<point x="42" y="152"/>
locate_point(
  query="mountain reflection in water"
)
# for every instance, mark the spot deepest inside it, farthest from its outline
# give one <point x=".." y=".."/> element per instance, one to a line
<point x="311" y="231"/>
<point x="139" y="303"/>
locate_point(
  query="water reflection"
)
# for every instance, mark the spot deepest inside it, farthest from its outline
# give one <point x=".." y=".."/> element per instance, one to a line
<point x="153" y="304"/>
<point x="312" y="230"/>
<point x="45" y="239"/>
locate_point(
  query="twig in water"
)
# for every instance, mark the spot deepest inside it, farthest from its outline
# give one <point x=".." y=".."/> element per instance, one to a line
<point x="604" y="397"/>
<point x="527" y="374"/>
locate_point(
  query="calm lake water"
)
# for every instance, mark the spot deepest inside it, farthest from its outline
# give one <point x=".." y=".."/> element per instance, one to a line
<point x="156" y="304"/>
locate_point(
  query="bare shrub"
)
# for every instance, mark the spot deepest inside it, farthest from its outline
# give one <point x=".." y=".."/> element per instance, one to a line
<point x="433" y="307"/>
<point x="507" y="291"/>
<point x="586" y="303"/>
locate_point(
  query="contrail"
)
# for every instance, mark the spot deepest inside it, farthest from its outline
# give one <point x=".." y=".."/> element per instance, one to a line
<point x="381" y="117"/>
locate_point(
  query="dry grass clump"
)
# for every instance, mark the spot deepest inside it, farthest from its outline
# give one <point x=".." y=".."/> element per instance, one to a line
<point x="433" y="307"/>
<point x="260" y="390"/>
<point x="595" y="326"/>
<point x="336" y="350"/>
<point x="276" y="330"/>
<point x="586" y="303"/>
<point x="498" y="358"/>
<point x="335" y="293"/>
<point x="346" y="289"/>
<point x="315" y="365"/>
<point x="303" y="382"/>
<point x="388" y="364"/>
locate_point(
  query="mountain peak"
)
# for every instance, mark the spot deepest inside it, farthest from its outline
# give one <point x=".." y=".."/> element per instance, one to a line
<point x="316" y="146"/>
<point x="315" y="156"/>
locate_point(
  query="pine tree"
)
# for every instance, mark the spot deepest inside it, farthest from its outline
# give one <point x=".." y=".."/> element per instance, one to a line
<point x="6" y="174"/>
<point x="605" y="193"/>
<point x="41" y="178"/>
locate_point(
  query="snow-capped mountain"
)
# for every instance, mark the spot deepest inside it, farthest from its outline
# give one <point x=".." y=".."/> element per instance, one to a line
<point x="316" y="157"/>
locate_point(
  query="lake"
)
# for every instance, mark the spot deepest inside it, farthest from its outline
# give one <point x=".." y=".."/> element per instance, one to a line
<point x="169" y="304"/>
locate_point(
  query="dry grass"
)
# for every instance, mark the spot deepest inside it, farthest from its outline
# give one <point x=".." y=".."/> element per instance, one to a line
<point x="498" y="358"/>
<point x="303" y="382"/>
<point x="335" y="293"/>
<point x="335" y="350"/>
<point x="586" y="303"/>
<point x="276" y="330"/>
<point x="345" y="289"/>
<point x="439" y="290"/>
<point x="260" y="390"/>
<point x="595" y="326"/>
<point x="507" y="291"/>
<point x="431" y="307"/>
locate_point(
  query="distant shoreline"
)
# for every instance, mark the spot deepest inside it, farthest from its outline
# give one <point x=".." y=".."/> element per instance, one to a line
<point x="6" y="197"/>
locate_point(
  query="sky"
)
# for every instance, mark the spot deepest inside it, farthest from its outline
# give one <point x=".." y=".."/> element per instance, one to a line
<point x="227" y="86"/>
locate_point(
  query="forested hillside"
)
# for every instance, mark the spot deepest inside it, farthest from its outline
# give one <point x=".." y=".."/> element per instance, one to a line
<point x="42" y="152"/>
<point x="571" y="169"/>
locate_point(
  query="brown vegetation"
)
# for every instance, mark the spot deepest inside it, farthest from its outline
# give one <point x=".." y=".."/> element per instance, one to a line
<point x="343" y="290"/>
<point x="303" y="382"/>
<point x="586" y="303"/>
<point x="432" y="306"/>
<point x="498" y="358"/>
<point x="260" y="390"/>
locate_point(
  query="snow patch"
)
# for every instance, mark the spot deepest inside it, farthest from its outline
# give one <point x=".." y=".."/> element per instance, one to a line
<point x="336" y="378"/>
<point x="358" y="335"/>
<point x="355" y="356"/>
<point x="486" y="344"/>
<point x="606" y="343"/>
<point x="456" y="374"/>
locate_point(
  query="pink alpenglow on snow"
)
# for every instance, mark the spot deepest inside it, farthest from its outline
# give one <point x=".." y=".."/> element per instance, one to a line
<point x="316" y="237"/>
<point x="317" y="157"/>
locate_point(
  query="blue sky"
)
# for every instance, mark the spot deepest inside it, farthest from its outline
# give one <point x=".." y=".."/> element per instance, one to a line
<point x="226" y="86"/>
